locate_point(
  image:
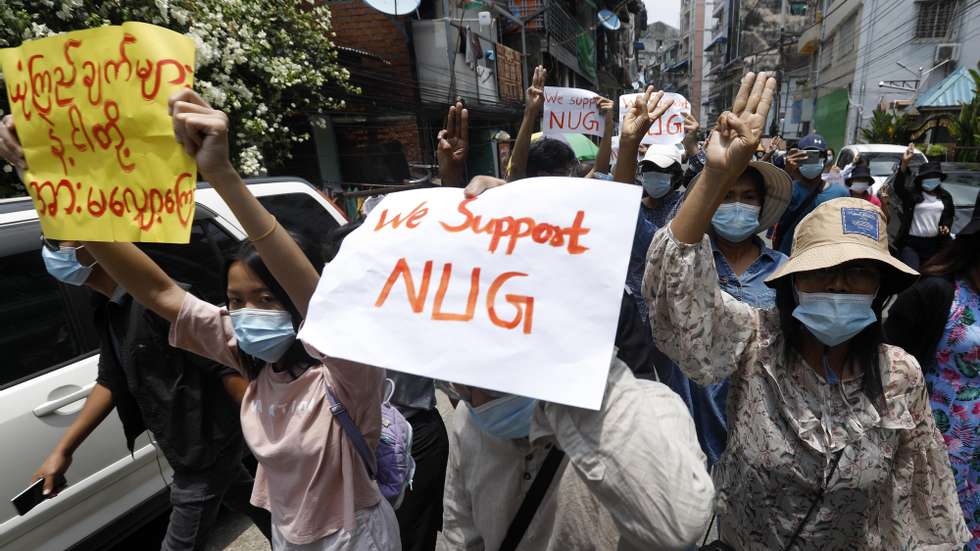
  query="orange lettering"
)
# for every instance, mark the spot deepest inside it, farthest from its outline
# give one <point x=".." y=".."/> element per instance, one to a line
<point x="438" y="314"/>
<point x="413" y="219"/>
<point x="416" y="299"/>
<point x="526" y="313"/>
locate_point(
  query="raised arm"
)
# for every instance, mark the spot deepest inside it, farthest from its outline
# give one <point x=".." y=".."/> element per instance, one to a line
<point x="454" y="146"/>
<point x="690" y="140"/>
<point x="146" y="282"/>
<point x="640" y="116"/>
<point x="732" y="144"/>
<point x="203" y="132"/>
<point x="608" y="109"/>
<point x="532" y="113"/>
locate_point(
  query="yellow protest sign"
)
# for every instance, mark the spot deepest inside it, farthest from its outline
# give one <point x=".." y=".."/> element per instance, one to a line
<point x="91" y="113"/>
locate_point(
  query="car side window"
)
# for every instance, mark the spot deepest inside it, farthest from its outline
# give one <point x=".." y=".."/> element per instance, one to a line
<point x="37" y="331"/>
<point x="201" y="262"/>
<point x="299" y="212"/>
<point x="302" y="214"/>
<point x="845" y="158"/>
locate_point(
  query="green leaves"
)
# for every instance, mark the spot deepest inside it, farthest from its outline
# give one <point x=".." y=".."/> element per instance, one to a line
<point x="968" y="394"/>
<point x="941" y="419"/>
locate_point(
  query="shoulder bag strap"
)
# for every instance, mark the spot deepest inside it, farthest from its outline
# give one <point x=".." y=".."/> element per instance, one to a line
<point x="340" y="413"/>
<point x="816" y="501"/>
<point x="532" y="500"/>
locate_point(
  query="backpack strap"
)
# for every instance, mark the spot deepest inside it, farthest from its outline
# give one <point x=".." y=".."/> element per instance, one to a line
<point x="343" y="417"/>
<point x="532" y="500"/>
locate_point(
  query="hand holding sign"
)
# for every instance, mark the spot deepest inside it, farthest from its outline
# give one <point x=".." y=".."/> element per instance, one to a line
<point x="202" y="131"/>
<point x="10" y="148"/>
<point x="98" y="155"/>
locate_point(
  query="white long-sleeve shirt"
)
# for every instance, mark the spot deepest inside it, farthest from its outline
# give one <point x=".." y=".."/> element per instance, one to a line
<point x="637" y="475"/>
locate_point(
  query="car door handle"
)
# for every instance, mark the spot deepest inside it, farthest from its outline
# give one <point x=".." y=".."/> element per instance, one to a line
<point x="48" y="408"/>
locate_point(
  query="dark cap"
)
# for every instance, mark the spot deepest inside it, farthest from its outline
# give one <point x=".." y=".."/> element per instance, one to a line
<point x="931" y="168"/>
<point x="860" y="172"/>
<point x="813" y="141"/>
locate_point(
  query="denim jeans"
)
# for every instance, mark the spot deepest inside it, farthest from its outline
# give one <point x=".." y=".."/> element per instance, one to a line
<point x="197" y="496"/>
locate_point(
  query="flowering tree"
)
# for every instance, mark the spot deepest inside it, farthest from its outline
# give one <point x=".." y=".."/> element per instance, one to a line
<point x="261" y="61"/>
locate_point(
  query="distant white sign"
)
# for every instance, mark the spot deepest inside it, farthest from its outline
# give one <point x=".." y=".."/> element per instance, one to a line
<point x="571" y="110"/>
<point x="669" y="128"/>
<point x="516" y="291"/>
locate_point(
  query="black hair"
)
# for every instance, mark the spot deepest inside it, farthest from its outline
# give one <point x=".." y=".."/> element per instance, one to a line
<point x="296" y="360"/>
<point x="549" y="156"/>
<point x="864" y="347"/>
<point x="583" y="169"/>
<point x="956" y="257"/>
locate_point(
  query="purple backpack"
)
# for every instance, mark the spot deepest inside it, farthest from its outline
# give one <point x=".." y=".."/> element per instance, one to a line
<point x="392" y="465"/>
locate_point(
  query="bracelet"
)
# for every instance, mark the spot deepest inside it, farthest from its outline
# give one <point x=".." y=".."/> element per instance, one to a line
<point x="275" y="224"/>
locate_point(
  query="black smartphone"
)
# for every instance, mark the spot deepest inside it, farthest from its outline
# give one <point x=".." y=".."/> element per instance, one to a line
<point x="33" y="495"/>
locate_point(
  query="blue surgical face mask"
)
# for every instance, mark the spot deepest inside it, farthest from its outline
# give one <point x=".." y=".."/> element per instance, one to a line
<point x="834" y="317"/>
<point x="656" y="184"/>
<point x="930" y="184"/>
<point x="735" y="222"/>
<point x="506" y="418"/>
<point x="811" y="170"/>
<point x="64" y="266"/>
<point x="264" y="334"/>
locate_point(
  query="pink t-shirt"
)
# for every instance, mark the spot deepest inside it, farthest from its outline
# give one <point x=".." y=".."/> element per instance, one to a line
<point x="309" y="477"/>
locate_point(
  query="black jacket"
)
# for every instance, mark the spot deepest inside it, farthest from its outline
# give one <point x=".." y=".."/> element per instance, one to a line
<point x="176" y="395"/>
<point x="912" y="197"/>
<point x="918" y="317"/>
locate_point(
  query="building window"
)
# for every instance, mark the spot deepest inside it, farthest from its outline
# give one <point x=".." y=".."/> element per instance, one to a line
<point x="934" y="18"/>
<point x="828" y="51"/>
<point x="845" y="37"/>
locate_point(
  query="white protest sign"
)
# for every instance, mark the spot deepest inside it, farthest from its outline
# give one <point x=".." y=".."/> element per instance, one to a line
<point x="516" y="291"/>
<point x="571" y="110"/>
<point x="669" y="128"/>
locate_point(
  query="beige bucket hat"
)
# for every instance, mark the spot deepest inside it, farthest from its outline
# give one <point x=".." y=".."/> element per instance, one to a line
<point x="779" y="191"/>
<point x="839" y="231"/>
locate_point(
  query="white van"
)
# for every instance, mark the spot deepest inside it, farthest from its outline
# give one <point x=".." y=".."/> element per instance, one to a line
<point x="883" y="160"/>
<point x="50" y="362"/>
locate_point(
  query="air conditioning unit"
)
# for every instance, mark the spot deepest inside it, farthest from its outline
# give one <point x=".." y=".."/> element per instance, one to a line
<point x="946" y="51"/>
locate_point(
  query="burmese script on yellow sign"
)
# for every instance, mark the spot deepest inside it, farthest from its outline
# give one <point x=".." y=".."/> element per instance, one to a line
<point x="90" y="108"/>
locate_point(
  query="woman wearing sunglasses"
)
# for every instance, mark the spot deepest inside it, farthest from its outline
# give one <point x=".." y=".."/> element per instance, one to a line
<point x="832" y="443"/>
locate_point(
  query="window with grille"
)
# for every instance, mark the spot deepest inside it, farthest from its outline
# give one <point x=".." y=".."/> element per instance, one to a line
<point x="845" y="37"/>
<point x="934" y="18"/>
<point x="828" y="51"/>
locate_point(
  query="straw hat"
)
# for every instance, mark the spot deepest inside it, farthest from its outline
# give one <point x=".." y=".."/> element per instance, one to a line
<point x="839" y="231"/>
<point x="779" y="191"/>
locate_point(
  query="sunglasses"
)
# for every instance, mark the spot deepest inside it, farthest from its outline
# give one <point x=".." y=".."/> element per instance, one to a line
<point x="52" y="245"/>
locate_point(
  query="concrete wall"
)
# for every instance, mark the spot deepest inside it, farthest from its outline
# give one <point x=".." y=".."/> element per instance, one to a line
<point x="889" y="38"/>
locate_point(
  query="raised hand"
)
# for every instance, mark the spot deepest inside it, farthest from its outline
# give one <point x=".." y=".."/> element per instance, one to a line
<point x="908" y="155"/>
<point x="453" y="146"/>
<point x="607" y="108"/>
<point x="10" y="148"/>
<point x="640" y="116"/>
<point x="794" y="158"/>
<point x="691" y="126"/>
<point x="736" y="137"/>
<point x="202" y="131"/>
<point x="535" y="94"/>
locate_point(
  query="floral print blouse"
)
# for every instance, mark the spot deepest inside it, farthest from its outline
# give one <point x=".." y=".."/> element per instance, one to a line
<point x="892" y="489"/>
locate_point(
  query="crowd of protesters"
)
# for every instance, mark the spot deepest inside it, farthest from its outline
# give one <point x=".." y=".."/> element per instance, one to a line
<point x="783" y="376"/>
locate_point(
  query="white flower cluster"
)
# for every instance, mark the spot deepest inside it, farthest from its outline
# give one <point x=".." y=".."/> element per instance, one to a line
<point x="267" y="63"/>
